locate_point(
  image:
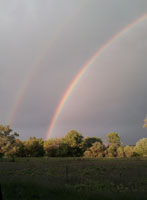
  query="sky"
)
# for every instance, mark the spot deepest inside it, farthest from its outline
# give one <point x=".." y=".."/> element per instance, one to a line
<point x="43" y="46"/>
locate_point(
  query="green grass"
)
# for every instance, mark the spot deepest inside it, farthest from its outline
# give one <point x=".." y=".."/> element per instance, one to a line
<point x="74" y="178"/>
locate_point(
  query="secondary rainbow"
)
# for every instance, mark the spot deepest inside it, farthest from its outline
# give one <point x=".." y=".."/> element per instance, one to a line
<point x="36" y="66"/>
<point x="85" y="68"/>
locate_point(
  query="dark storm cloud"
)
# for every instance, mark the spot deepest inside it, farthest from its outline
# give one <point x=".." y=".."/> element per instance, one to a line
<point x="28" y="27"/>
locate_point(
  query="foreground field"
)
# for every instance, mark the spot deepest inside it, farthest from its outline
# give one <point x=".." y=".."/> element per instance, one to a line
<point x="74" y="178"/>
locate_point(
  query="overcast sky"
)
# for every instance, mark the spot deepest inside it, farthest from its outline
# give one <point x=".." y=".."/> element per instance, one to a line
<point x="50" y="41"/>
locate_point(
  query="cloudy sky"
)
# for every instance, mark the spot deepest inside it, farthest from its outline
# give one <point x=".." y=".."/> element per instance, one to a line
<point x="43" y="46"/>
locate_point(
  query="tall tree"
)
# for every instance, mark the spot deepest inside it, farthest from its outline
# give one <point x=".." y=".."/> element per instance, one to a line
<point x="8" y="140"/>
<point x="74" y="140"/>
<point x="113" y="138"/>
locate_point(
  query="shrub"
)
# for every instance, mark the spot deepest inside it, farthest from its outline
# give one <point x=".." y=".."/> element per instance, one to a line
<point x="34" y="147"/>
<point x="112" y="150"/>
<point x="97" y="150"/>
<point x="129" y="151"/>
<point x="89" y="141"/>
<point x="141" y="147"/>
<point x="120" y="152"/>
<point x="51" y="146"/>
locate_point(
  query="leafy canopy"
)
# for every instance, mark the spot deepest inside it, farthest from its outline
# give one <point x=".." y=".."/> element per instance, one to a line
<point x="113" y="138"/>
<point x="141" y="147"/>
<point x="8" y="140"/>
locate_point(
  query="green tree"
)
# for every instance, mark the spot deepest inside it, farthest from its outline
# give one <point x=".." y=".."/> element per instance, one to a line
<point x="129" y="151"/>
<point x="34" y="147"/>
<point x="96" y="151"/>
<point x="141" y="147"/>
<point x="8" y="140"/>
<point x="63" y="150"/>
<point x="113" y="138"/>
<point x="17" y="150"/>
<point x="112" y="150"/>
<point x="89" y="141"/>
<point x="120" y="152"/>
<point x="74" y="140"/>
<point x="51" y="147"/>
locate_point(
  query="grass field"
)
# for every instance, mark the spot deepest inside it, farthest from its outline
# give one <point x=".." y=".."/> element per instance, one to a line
<point x="74" y="178"/>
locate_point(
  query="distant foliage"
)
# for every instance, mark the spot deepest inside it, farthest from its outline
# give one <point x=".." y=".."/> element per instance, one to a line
<point x="74" y="140"/>
<point x="17" y="150"/>
<point x="113" y="138"/>
<point x="34" y="147"/>
<point x="95" y="151"/>
<point x="120" y="152"/>
<point x="112" y="151"/>
<point x="8" y="142"/>
<point x="51" y="147"/>
<point x="129" y="151"/>
<point x="141" y="147"/>
<point x="73" y="144"/>
<point x="89" y="141"/>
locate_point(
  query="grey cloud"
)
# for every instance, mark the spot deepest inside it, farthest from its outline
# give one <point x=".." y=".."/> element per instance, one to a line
<point x="68" y="33"/>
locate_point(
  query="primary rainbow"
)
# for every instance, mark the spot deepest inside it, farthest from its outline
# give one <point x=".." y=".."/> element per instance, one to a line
<point x="85" y="68"/>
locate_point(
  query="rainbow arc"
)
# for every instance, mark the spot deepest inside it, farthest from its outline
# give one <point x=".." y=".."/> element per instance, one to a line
<point x="86" y="67"/>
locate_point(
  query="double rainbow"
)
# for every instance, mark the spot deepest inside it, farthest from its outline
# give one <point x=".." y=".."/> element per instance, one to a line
<point x="85" y="68"/>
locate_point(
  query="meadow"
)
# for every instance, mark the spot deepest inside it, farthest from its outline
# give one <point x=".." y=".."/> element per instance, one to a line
<point x="73" y="178"/>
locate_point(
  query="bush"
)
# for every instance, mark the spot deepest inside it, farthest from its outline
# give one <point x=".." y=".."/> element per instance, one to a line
<point x="34" y="147"/>
<point x="129" y="151"/>
<point x="89" y="141"/>
<point x="96" y="151"/>
<point x="51" y="147"/>
<point x="120" y="152"/>
<point x="141" y="147"/>
<point x="112" y="150"/>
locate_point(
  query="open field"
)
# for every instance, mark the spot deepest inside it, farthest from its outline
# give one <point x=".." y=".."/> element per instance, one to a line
<point x="74" y="178"/>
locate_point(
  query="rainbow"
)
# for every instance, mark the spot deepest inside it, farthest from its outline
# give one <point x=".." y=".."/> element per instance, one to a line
<point x="85" y="68"/>
<point x="34" y="69"/>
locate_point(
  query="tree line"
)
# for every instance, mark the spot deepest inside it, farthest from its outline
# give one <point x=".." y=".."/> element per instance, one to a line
<point x="73" y="144"/>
